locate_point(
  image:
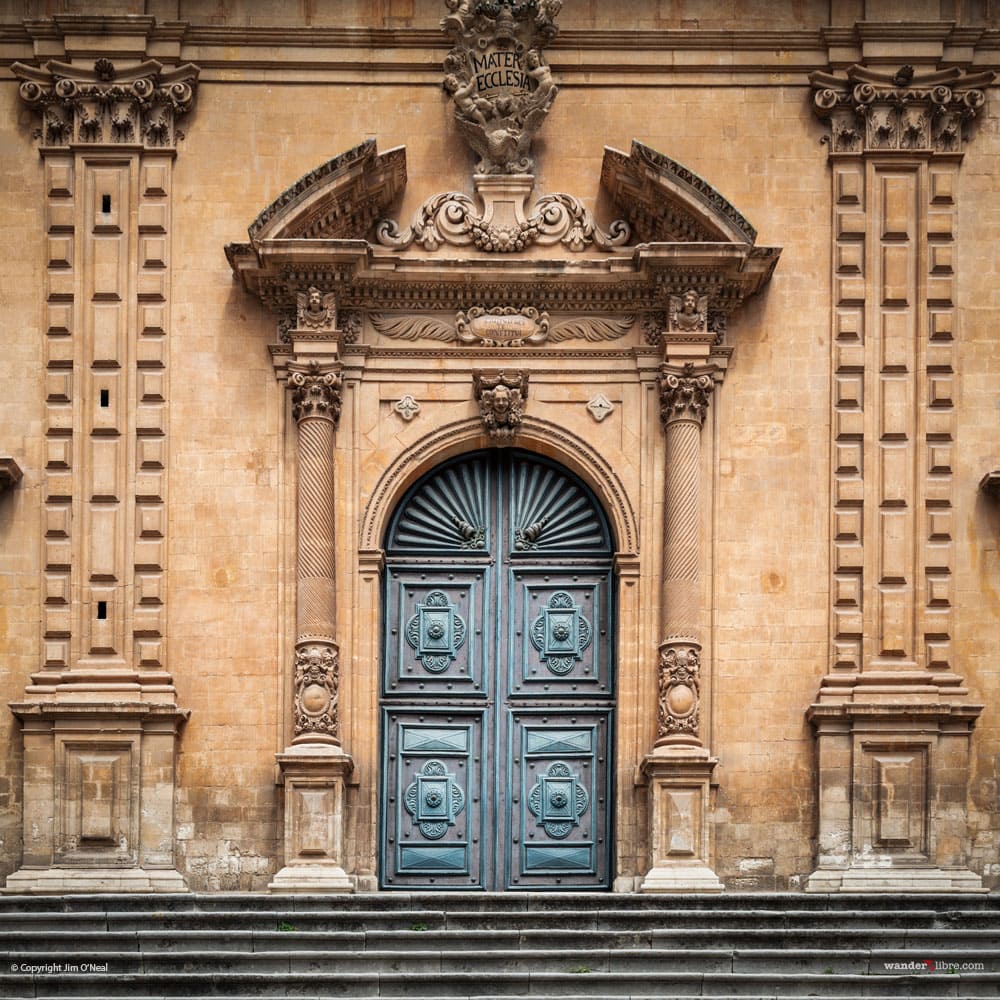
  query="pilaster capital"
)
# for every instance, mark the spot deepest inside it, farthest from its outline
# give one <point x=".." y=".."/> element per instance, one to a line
<point x="876" y="112"/>
<point x="316" y="391"/>
<point x="107" y="105"/>
<point x="684" y="394"/>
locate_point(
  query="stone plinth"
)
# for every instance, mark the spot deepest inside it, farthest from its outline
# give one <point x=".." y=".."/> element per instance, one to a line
<point x="678" y="830"/>
<point x="314" y="777"/>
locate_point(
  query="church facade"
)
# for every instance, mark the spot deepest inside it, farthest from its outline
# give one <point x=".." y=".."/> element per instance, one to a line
<point x="454" y="444"/>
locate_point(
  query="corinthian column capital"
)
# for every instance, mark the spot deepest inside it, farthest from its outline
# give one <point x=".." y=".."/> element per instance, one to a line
<point x="316" y="392"/>
<point x="684" y="394"/>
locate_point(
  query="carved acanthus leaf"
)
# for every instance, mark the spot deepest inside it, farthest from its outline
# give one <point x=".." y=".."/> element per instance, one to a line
<point x="869" y="110"/>
<point x="411" y="327"/>
<point x="592" y="328"/>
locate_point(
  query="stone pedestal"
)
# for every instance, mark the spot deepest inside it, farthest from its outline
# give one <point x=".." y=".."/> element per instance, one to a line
<point x="314" y="777"/>
<point x="679" y="780"/>
<point x="98" y="798"/>
<point x="893" y="782"/>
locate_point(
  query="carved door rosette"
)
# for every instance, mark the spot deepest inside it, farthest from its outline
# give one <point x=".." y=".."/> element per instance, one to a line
<point x="501" y="397"/>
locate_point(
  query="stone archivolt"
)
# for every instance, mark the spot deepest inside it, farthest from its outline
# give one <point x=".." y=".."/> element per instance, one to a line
<point x="135" y="105"/>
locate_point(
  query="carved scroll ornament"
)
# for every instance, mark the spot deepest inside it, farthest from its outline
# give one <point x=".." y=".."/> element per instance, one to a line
<point x="105" y="105"/>
<point x="497" y="77"/>
<point x="453" y="218"/>
<point x="679" y="690"/>
<point x="501" y="326"/>
<point x="317" y="687"/>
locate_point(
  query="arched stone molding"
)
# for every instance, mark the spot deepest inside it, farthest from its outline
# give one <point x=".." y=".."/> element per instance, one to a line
<point x="542" y="436"/>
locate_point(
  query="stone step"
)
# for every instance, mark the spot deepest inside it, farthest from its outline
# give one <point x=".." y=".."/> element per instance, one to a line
<point x="91" y="942"/>
<point x="332" y="919"/>
<point x="534" y="984"/>
<point x="780" y="961"/>
<point x="458" y="902"/>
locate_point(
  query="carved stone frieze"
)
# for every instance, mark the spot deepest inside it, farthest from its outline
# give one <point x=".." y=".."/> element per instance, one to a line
<point x="351" y="324"/>
<point x="316" y="310"/>
<point x="316" y="392"/>
<point x="453" y="218"/>
<point x="501" y="397"/>
<point x="317" y="692"/>
<point x="498" y="79"/>
<point x="679" y="690"/>
<point x="684" y="395"/>
<point x="501" y="326"/>
<point x="871" y="111"/>
<point x="134" y="105"/>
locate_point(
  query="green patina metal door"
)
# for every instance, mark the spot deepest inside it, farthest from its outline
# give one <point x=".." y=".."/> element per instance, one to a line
<point x="498" y="680"/>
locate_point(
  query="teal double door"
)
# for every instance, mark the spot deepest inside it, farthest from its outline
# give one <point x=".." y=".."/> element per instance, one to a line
<point x="497" y="689"/>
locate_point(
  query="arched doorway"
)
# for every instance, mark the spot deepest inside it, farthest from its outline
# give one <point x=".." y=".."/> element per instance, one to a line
<point x="497" y="685"/>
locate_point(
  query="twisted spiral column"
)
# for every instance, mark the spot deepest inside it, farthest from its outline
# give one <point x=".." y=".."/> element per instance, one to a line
<point x="684" y="399"/>
<point x="316" y="402"/>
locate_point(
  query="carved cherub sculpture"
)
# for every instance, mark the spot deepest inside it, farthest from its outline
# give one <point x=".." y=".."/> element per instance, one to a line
<point x="689" y="312"/>
<point x="316" y="310"/>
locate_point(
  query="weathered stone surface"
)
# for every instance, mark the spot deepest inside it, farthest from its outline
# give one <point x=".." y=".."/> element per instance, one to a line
<point x="846" y="596"/>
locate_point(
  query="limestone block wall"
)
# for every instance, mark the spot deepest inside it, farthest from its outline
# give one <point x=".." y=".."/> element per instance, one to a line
<point x="744" y="122"/>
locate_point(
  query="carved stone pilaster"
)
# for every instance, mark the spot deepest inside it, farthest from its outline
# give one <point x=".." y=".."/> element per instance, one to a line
<point x="501" y="397"/>
<point x="107" y="104"/>
<point x="679" y="768"/>
<point x="314" y="769"/>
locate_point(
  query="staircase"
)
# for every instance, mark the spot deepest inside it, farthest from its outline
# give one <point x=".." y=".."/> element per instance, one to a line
<point x="490" y="945"/>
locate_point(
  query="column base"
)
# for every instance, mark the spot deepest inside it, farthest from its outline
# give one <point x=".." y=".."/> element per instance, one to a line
<point x="679" y="778"/>
<point x="307" y="878"/>
<point x="62" y="881"/>
<point x="894" y="880"/>
<point x="681" y="877"/>
<point x="314" y="776"/>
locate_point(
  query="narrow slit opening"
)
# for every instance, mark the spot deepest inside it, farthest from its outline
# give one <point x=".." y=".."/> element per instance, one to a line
<point x="105" y="203"/>
<point x="105" y="398"/>
<point x="102" y="611"/>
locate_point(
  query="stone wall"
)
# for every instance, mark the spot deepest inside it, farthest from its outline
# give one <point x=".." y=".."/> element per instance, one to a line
<point x="727" y="96"/>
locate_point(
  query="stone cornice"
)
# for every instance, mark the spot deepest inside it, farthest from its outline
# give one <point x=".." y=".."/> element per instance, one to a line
<point x="613" y="55"/>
